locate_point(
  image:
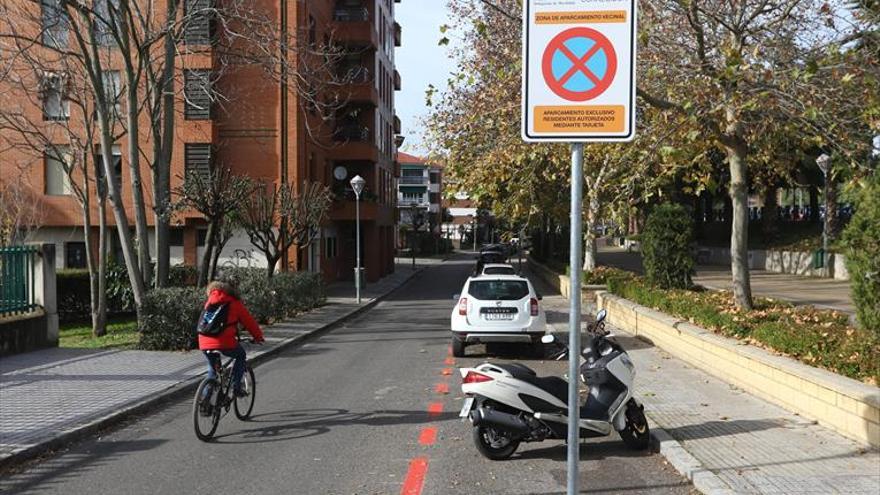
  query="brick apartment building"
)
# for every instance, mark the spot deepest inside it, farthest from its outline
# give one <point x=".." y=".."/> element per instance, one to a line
<point x="262" y="133"/>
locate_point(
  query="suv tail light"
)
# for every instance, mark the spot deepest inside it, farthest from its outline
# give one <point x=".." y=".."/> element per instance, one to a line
<point x="474" y="377"/>
<point x="462" y="306"/>
<point x="533" y="306"/>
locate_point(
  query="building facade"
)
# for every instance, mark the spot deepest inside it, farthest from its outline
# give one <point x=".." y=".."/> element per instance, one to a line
<point x="263" y="127"/>
<point x="419" y="194"/>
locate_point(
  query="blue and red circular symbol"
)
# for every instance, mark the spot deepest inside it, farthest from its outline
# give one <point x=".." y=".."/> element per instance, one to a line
<point x="579" y="64"/>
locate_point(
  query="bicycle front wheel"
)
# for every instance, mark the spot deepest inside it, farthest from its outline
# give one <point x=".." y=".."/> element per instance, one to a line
<point x="245" y="405"/>
<point x="206" y="410"/>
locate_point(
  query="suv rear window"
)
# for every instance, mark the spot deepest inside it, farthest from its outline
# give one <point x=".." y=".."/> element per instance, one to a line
<point x="498" y="290"/>
<point x="499" y="270"/>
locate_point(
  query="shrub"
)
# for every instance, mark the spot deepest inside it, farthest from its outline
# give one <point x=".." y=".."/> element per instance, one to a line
<point x="282" y="296"/>
<point x="667" y="247"/>
<point x="183" y="276"/>
<point x="74" y="293"/>
<point x="862" y="247"/>
<point x="169" y="317"/>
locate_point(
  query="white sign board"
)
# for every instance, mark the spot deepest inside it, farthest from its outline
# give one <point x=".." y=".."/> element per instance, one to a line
<point x="579" y="70"/>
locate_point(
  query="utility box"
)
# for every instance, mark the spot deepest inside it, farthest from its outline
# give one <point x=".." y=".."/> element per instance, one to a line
<point x="819" y="259"/>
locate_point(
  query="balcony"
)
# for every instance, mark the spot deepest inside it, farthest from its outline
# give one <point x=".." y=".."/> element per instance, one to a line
<point x="354" y="26"/>
<point x="344" y="209"/>
<point x="355" y="143"/>
<point x="397" y="34"/>
<point x="360" y="87"/>
<point x="396" y="80"/>
<point x="413" y="181"/>
<point x="409" y="203"/>
<point x="397" y="127"/>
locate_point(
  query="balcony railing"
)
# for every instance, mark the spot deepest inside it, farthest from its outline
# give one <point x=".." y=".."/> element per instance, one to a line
<point x="352" y="133"/>
<point x="415" y="180"/>
<point x="355" y="74"/>
<point x="397" y="84"/>
<point x="412" y="202"/>
<point x="397" y="34"/>
<point x="351" y="14"/>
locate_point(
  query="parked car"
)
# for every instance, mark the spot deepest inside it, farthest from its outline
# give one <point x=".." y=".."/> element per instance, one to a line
<point x="497" y="308"/>
<point x="498" y="269"/>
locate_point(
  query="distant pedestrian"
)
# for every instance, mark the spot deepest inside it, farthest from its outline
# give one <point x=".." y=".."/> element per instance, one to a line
<point x="223" y="296"/>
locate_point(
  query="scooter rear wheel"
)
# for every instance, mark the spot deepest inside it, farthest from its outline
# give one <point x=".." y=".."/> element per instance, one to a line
<point x="494" y="444"/>
<point x="636" y="435"/>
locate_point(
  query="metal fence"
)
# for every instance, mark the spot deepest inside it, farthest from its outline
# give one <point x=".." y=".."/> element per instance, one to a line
<point x="17" y="280"/>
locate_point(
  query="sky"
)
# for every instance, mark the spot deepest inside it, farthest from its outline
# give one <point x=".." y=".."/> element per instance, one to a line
<point x="420" y="61"/>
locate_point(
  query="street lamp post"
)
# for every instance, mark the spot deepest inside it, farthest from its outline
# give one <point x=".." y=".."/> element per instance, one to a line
<point x="824" y="161"/>
<point x="474" y="230"/>
<point x="357" y="183"/>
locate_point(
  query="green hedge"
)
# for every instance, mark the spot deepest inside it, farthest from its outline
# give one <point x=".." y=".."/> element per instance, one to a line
<point x="170" y="315"/>
<point x="862" y="246"/>
<point x="667" y="245"/>
<point x="816" y="337"/>
<point x="74" y="293"/>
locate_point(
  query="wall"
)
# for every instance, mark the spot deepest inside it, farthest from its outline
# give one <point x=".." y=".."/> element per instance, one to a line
<point x="789" y="262"/>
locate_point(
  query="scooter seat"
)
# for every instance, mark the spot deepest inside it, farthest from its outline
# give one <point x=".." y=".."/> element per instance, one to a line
<point x="555" y="386"/>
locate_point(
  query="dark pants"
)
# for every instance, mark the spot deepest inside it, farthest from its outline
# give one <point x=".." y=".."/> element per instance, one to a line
<point x="237" y="367"/>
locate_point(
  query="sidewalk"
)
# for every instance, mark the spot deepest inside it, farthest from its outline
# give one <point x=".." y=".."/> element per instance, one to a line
<point x="819" y="292"/>
<point x="727" y="441"/>
<point x="53" y="396"/>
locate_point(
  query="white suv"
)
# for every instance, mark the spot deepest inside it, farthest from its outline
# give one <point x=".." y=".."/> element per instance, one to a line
<point x="497" y="308"/>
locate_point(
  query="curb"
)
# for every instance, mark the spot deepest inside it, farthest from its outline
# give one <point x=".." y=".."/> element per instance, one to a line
<point x="177" y="391"/>
<point x="687" y="465"/>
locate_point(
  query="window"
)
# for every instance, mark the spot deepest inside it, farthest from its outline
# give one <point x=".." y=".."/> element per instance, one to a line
<point x="409" y="172"/>
<point x="55" y="105"/>
<point x="411" y="196"/>
<point x="434" y="198"/>
<point x="435" y="177"/>
<point x="198" y="14"/>
<point x="202" y="237"/>
<point x="56" y="24"/>
<point x="117" y="170"/>
<point x="112" y="81"/>
<point x="175" y="236"/>
<point x="330" y="247"/>
<point x="313" y="33"/>
<point x="197" y="92"/>
<point x="105" y="24"/>
<point x="197" y="160"/>
<point x="498" y="290"/>
<point x="74" y="254"/>
<point x="57" y="178"/>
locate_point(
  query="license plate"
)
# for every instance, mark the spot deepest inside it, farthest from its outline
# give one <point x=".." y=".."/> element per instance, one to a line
<point x="498" y="316"/>
<point x="466" y="407"/>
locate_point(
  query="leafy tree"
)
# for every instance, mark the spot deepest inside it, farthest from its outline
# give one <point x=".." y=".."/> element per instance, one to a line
<point x="667" y="247"/>
<point x="862" y="241"/>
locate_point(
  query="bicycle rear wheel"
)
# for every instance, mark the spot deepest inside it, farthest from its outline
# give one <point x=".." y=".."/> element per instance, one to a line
<point x="245" y="405"/>
<point x="206" y="410"/>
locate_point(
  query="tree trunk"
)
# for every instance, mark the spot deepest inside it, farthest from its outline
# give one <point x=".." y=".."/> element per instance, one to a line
<point x="99" y="315"/>
<point x="831" y="220"/>
<point x="162" y="166"/>
<point x="137" y="189"/>
<point x="737" y="152"/>
<point x="204" y="265"/>
<point x="119" y="214"/>
<point x="590" y="230"/>
<point x="770" y="214"/>
<point x="102" y="262"/>
<point x="814" y="204"/>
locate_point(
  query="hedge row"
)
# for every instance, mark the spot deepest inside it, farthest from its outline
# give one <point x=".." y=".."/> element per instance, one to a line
<point x="169" y="316"/>
<point x="816" y="337"/>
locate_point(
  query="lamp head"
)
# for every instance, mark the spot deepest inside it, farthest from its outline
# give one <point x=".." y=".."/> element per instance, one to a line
<point x="358" y="183"/>
<point x="823" y="161"/>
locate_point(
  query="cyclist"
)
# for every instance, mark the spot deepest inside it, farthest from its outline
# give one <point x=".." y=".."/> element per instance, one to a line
<point x="225" y="291"/>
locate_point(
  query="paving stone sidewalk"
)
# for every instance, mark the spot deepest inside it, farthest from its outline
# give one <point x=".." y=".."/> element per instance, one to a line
<point x="748" y="445"/>
<point x="49" y="394"/>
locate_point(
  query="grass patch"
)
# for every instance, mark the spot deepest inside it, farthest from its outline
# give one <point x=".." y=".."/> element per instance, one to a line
<point x="121" y="334"/>
<point x="817" y="337"/>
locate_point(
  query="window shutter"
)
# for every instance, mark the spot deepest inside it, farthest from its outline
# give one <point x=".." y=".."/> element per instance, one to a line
<point x="197" y="89"/>
<point x="197" y="160"/>
<point x="198" y="22"/>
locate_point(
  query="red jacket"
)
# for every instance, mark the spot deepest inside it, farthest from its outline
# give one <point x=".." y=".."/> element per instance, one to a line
<point x="237" y="314"/>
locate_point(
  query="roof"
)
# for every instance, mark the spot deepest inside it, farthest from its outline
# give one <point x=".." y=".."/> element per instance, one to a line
<point x="406" y="158"/>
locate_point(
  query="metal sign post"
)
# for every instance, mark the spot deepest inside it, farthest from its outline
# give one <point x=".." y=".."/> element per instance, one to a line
<point x="574" y="315"/>
<point x="579" y="85"/>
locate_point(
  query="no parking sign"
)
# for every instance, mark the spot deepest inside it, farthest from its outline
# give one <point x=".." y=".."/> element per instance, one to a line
<point x="579" y="70"/>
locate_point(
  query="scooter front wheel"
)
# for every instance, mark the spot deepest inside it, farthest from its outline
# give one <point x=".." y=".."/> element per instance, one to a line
<point x="494" y="444"/>
<point x="636" y="435"/>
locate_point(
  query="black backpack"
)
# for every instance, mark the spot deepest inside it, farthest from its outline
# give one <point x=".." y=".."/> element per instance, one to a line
<point x="213" y="319"/>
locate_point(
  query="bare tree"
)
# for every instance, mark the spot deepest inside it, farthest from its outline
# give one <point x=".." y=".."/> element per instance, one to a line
<point x="276" y="218"/>
<point x="215" y="196"/>
<point x="20" y="212"/>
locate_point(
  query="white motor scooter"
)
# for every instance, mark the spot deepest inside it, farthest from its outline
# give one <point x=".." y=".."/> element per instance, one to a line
<point x="508" y="403"/>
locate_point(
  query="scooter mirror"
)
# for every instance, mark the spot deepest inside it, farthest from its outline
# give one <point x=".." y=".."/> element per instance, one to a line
<point x="548" y="339"/>
<point x="601" y="316"/>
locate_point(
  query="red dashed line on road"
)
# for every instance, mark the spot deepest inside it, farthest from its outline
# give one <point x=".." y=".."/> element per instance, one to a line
<point x="435" y="409"/>
<point x="415" y="477"/>
<point x="446" y="371"/>
<point x="442" y="388"/>
<point x="449" y="361"/>
<point x="428" y="435"/>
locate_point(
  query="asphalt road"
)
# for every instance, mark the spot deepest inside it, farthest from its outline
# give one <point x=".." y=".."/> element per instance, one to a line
<point x="361" y="410"/>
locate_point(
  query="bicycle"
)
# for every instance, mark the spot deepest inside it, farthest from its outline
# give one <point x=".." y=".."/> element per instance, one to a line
<point x="215" y="397"/>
